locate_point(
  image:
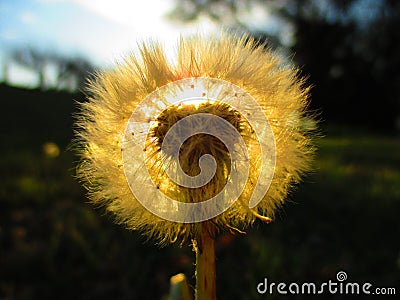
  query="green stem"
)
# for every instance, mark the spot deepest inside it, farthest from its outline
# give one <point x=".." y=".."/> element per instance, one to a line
<point x="205" y="263"/>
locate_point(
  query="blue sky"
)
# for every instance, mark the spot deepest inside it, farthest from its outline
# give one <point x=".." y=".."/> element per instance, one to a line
<point x="101" y="31"/>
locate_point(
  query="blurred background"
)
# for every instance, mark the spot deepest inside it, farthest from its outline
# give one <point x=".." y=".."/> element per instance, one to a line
<point x="55" y="245"/>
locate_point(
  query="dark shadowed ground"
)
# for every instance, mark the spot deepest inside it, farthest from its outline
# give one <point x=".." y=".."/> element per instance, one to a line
<point x="54" y="245"/>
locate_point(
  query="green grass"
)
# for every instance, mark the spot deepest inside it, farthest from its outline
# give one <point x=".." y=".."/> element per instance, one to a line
<point x="53" y="244"/>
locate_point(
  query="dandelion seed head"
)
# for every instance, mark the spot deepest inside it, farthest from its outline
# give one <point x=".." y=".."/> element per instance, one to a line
<point x="108" y="138"/>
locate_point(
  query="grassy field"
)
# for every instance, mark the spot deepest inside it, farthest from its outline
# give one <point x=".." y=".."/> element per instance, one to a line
<point x="55" y="245"/>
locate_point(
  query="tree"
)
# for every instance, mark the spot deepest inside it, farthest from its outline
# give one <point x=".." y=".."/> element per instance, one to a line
<point x="348" y="49"/>
<point x="69" y="73"/>
<point x="34" y="60"/>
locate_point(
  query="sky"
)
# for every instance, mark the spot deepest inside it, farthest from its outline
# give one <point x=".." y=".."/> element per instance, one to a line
<point x="102" y="31"/>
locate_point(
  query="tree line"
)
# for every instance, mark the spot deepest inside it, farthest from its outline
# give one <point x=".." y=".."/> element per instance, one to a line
<point x="52" y="70"/>
<point x="348" y="49"/>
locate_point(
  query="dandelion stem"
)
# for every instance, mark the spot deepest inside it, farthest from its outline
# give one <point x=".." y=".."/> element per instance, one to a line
<point x="204" y="247"/>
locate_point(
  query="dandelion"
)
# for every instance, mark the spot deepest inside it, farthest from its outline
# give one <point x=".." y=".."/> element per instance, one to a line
<point x="182" y="150"/>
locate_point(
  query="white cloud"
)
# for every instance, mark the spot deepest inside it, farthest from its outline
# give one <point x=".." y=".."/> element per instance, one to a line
<point x="145" y="19"/>
<point x="50" y="1"/>
<point x="146" y="14"/>
<point x="8" y="34"/>
<point x="28" y="17"/>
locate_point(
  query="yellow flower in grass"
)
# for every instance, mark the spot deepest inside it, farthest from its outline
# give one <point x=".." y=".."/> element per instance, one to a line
<point x="220" y="135"/>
